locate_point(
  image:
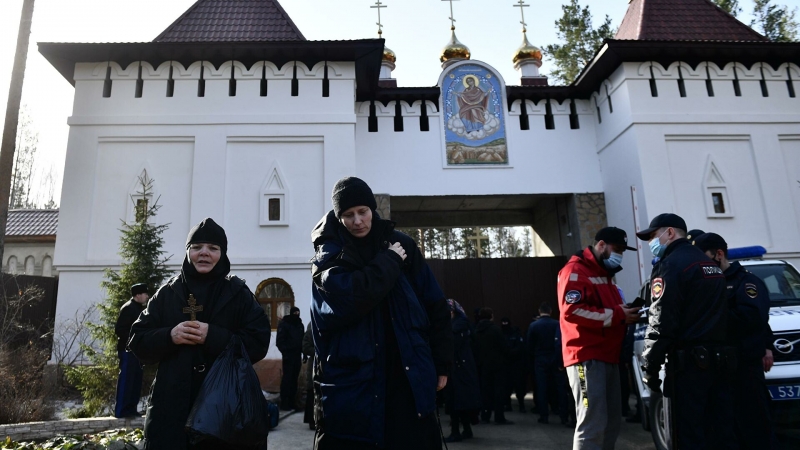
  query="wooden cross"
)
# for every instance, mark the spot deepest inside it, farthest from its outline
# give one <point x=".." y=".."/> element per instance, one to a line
<point x="478" y="238"/>
<point x="521" y="4"/>
<point x="378" y="6"/>
<point x="192" y="309"/>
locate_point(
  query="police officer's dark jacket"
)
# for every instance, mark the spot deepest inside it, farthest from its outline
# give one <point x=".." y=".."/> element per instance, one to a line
<point x="689" y="304"/>
<point x="748" y="317"/>
<point x="348" y="328"/>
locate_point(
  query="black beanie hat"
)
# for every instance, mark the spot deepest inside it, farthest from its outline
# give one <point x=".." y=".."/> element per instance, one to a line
<point x="294" y="309"/>
<point x="139" y="288"/>
<point x="349" y="192"/>
<point x="208" y="232"/>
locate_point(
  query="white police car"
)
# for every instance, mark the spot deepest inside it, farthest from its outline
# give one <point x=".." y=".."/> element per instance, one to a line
<point x="783" y="380"/>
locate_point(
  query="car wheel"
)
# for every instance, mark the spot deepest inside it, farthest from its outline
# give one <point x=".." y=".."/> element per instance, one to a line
<point x="657" y="421"/>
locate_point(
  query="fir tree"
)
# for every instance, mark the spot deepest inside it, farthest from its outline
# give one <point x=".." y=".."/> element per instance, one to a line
<point x="580" y="41"/>
<point x="143" y="261"/>
<point x="729" y="6"/>
<point x="778" y="23"/>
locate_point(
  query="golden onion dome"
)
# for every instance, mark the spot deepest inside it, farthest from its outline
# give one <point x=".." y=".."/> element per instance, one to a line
<point x="454" y="49"/>
<point x="527" y="51"/>
<point x="389" y="55"/>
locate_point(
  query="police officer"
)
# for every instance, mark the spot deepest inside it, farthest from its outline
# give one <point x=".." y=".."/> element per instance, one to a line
<point x="688" y="327"/>
<point x="748" y="331"/>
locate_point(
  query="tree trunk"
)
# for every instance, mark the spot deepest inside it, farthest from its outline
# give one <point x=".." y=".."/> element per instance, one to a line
<point x="12" y="117"/>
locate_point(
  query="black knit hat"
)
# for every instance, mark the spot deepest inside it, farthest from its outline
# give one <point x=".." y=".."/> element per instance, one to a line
<point x="208" y="232"/>
<point x="139" y="288"/>
<point x="349" y="192"/>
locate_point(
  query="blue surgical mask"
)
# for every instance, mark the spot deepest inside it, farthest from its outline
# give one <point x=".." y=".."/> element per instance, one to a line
<point x="613" y="261"/>
<point x="656" y="247"/>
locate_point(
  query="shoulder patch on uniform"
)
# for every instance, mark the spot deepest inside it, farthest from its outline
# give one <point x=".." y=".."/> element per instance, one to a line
<point x="657" y="288"/>
<point x="572" y="297"/>
<point x="751" y="290"/>
<point x="573" y="277"/>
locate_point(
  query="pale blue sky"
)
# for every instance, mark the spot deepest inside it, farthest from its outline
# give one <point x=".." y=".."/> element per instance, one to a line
<point x="415" y="29"/>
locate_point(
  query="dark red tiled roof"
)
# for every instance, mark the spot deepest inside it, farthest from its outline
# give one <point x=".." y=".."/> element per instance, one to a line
<point x="32" y="222"/>
<point x="689" y="20"/>
<point x="232" y="21"/>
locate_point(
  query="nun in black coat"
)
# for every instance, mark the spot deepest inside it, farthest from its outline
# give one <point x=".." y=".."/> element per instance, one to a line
<point x="463" y="395"/>
<point x="184" y="349"/>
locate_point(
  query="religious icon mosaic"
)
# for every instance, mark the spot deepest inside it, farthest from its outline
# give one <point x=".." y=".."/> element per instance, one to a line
<point x="474" y="122"/>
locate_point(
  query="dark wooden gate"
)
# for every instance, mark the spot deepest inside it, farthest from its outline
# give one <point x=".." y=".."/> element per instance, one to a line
<point x="512" y="287"/>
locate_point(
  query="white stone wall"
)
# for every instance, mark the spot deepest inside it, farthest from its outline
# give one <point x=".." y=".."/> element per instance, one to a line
<point x="29" y="259"/>
<point x="665" y="146"/>
<point x="221" y="156"/>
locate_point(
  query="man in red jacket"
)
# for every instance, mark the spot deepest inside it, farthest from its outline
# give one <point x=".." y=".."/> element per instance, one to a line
<point x="593" y="325"/>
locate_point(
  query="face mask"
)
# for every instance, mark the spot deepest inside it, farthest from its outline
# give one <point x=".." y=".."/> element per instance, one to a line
<point x="656" y="247"/>
<point x="613" y="261"/>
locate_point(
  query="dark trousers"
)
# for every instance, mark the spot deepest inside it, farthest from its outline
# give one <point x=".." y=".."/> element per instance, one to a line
<point x="459" y="419"/>
<point x="291" y="371"/>
<point x="129" y="385"/>
<point x="493" y="390"/>
<point x="754" y="427"/>
<point x="625" y="389"/>
<point x="545" y="383"/>
<point x="702" y="407"/>
<point x="516" y="384"/>
<point x="566" y="403"/>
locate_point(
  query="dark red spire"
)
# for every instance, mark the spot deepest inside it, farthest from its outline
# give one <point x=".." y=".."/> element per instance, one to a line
<point x="232" y="20"/>
<point x="682" y="20"/>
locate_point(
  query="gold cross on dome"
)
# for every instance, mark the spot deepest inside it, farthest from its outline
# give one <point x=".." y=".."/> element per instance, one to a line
<point x="192" y="309"/>
<point x="521" y="5"/>
<point x="452" y="16"/>
<point x="379" y="6"/>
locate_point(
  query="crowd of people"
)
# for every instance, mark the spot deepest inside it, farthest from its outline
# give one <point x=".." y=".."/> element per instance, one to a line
<point x="385" y="349"/>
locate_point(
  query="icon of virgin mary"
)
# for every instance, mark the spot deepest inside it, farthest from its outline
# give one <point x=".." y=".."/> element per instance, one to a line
<point x="472" y="104"/>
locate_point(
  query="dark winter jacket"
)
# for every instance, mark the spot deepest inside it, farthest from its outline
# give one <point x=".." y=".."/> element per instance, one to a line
<point x="127" y="315"/>
<point x="308" y="351"/>
<point x="348" y="328"/>
<point x="463" y="389"/>
<point x="180" y="367"/>
<point x="516" y="343"/>
<point x="492" y="348"/>
<point x="541" y="339"/>
<point x="748" y="313"/>
<point x="689" y="305"/>
<point x="289" y="338"/>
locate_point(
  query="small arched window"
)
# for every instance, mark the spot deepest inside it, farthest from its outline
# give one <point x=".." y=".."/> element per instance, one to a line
<point x="47" y="267"/>
<point x="12" y="265"/>
<point x="30" y="265"/>
<point x="276" y="297"/>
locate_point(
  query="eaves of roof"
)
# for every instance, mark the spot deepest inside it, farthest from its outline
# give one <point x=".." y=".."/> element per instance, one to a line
<point x="615" y="52"/>
<point x="366" y="53"/>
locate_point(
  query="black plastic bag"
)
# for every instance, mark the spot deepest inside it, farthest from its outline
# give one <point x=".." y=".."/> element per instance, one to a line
<point x="230" y="406"/>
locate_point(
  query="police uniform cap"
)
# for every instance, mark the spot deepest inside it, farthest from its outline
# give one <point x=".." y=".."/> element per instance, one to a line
<point x="710" y="241"/>
<point x="666" y="220"/>
<point x="693" y="234"/>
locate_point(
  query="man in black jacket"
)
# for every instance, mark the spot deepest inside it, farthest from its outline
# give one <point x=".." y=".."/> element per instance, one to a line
<point x="129" y="383"/>
<point x="516" y="373"/>
<point x="541" y="340"/>
<point x="290" y="343"/>
<point x="688" y="323"/>
<point x="493" y="355"/>
<point x="749" y="332"/>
